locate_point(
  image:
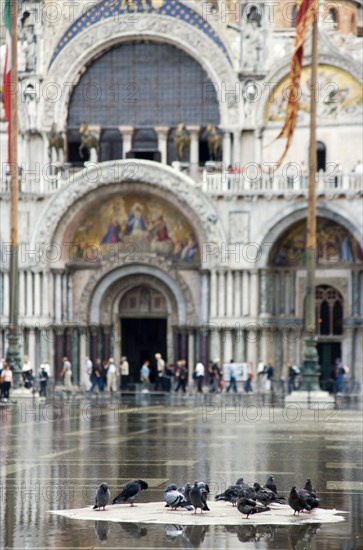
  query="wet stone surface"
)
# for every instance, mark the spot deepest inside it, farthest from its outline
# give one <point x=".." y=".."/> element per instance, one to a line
<point x="55" y="454"/>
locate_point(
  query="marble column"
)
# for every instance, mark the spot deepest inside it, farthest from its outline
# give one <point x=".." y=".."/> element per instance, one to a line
<point x="183" y="349"/>
<point x="226" y="148"/>
<point x="245" y="293"/>
<point x="213" y="294"/>
<point x="221" y="293"/>
<point x="215" y="344"/>
<point x="46" y="295"/>
<point x="204" y="297"/>
<point x="236" y="147"/>
<point x="69" y="297"/>
<point x="191" y="356"/>
<point x="162" y="133"/>
<point x="106" y="345"/>
<point x="68" y="337"/>
<point x="227" y="346"/>
<point x="127" y="135"/>
<point x="29" y="293"/>
<point x="74" y="356"/>
<point x="194" y="150"/>
<point x="31" y="349"/>
<point x="6" y="294"/>
<point x="94" y="343"/>
<point x="58" y="297"/>
<point x="237" y="294"/>
<point x="252" y="346"/>
<point x="230" y="294"/>
<point x="83" y="353"/>
<point x="254" y="293"/>
<point x="239" y="346"/>
<point x="58" y="353"/>
<point x="203" y="337"/>
<point x="21" y="294"/>
<point x="37" y="296"/>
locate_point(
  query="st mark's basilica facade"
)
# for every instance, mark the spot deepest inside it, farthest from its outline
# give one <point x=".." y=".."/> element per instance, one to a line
<point x="151" y="217"/>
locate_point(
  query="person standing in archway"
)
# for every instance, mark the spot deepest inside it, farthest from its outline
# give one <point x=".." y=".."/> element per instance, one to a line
<point x="124" y="370"/>
<point x="160" y="367"/>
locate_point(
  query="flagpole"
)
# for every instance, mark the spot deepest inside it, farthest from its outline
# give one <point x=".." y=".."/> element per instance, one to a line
<point x="13" y="352"/>
<point x="310" y="369"/>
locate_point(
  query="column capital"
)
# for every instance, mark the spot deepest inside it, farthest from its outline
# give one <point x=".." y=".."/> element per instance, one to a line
<point x="95" y="129"/>
<point x="126" y="130"/>
<point x="162" y="130"/>
<point x="193" y="129"/>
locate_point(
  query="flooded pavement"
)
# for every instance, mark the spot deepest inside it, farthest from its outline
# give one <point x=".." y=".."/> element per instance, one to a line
<point x="55" y="454"/>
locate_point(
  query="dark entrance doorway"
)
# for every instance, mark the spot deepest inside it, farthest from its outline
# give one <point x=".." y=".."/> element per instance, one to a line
<point x="320" y="156"/>
<point x="141" y="339"/>
<point x="328" y="352"/>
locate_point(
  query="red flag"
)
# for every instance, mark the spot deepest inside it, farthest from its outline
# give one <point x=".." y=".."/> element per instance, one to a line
<point x="306" y="15"/>
<point x="7" y="68"/>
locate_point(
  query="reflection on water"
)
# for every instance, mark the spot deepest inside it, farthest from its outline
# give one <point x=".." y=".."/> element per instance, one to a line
<point x="194" y="535"/>
<point x="54" y="458"/>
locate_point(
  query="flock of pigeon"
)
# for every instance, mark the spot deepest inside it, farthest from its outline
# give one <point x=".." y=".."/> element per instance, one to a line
<point x="249" y="499"/>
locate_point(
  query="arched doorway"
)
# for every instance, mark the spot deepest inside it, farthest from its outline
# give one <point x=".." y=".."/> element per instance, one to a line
<point x="329" y="329"/>
<point x="143" y="318"/>
<point x="320" y="156"/>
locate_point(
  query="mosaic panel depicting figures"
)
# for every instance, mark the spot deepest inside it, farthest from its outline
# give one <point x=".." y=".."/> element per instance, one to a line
<point x="334" y="245"/>
<point x="340" y="97"/>
<point x="136" y="222"/>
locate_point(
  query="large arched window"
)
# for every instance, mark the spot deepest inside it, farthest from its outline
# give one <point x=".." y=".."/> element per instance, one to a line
<point x="329" y="311"/>
<point x="141" y="84"/>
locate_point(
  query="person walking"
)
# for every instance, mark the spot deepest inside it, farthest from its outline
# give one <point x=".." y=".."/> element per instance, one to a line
<point x="101" y="374"/>
<point x="270" y="377"/>
<point x="124" y="370"/>
<point x="145" y="376"/>
<point x="95" y="378"/>
<point x="6" y="381"/>
<point x="87" y="372"/>
<point x="233" y="377"/>
<point x="111" y="375"/>
<point x="199" y="375"/>
<point x="248" y="383"/>
<point x="261" y="376"/>
<point x="160" y="367"/>
<point x="67" y="375"/>
<point x="182" y="376"/>
<point x="43" y="374"/>
<point x="215" y="376"/>
<point x="339" y="376"/>
<point x="293" y="372"/>
<point x="27" y="373"/>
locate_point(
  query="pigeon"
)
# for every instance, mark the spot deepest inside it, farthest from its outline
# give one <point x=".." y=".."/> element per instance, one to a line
<point x="185" y="490"/>
<point x="308" y="487"/>
<point x="270" y="484"/>
<point x="234" y="492"/>
<point x="309" y="499"/>
<point x="204" y="489"/>
<point x="296" y="502"/>
<point x="248" y="506"/>
<point x="196" y="498"/>
<point x="130" y="492"/>
<point x="102" y="497"/>
<point x="264" y="495"/>
<point x="175" y="499"/>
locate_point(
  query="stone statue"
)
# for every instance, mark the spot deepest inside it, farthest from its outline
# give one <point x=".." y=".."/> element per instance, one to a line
<point x="31" y="107"/>
<point x="56" y="142"/>
<point x="252" y="43"/>
<point x="181" y="141"/>
<point x="88" y="141"/>
<point x="214" y="143"/>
